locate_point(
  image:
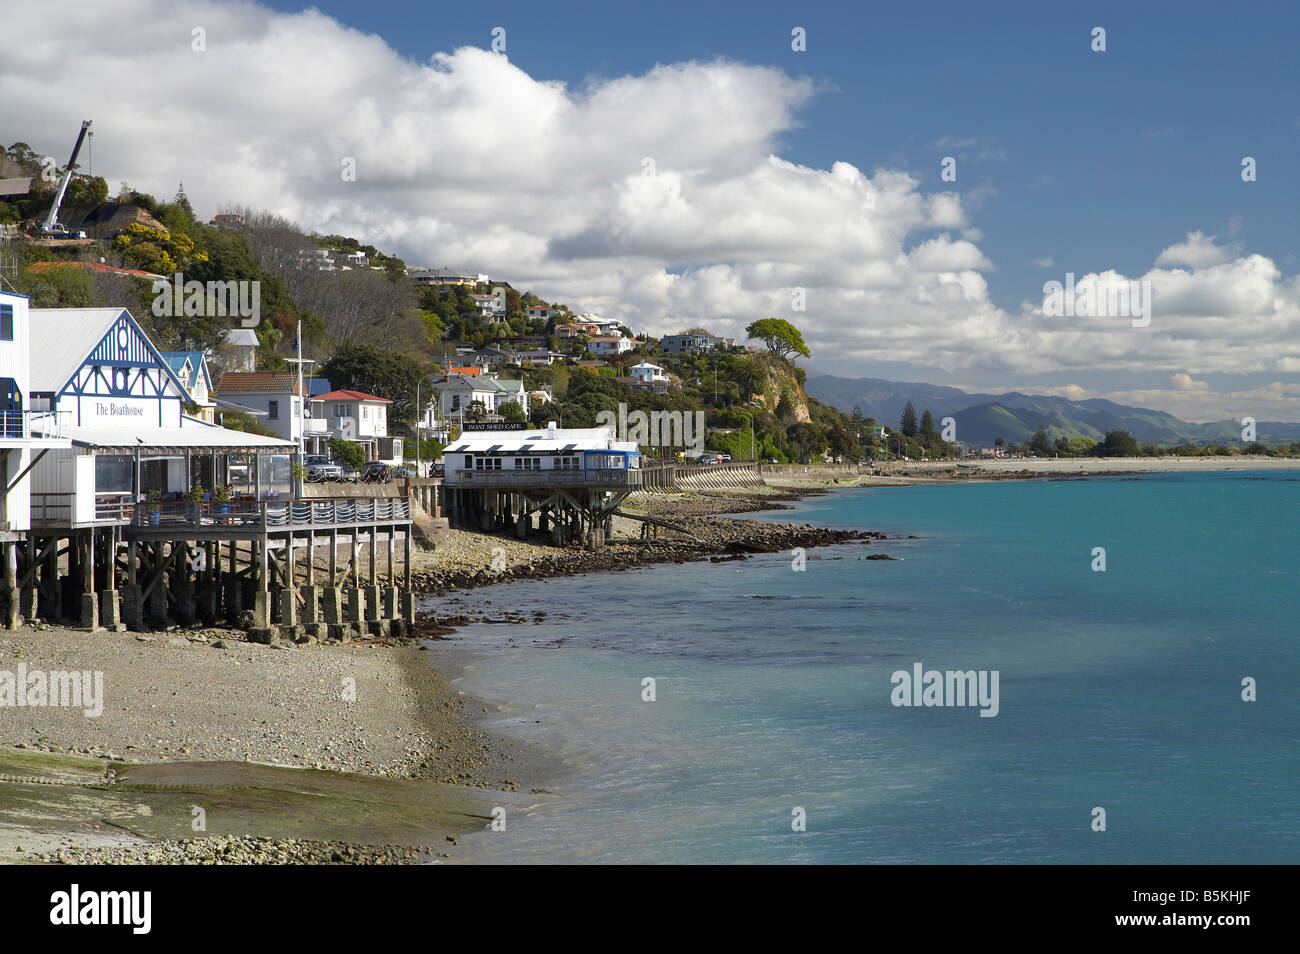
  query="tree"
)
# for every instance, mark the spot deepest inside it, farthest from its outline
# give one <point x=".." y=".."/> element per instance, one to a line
<point x="784" y="407"/>
<point x="1117" y="444"/>
<point x="782" y="338"/>
<point x="381" y="372"/>
<point x="908" y="422"/>
<point x="1000" y="442"/>
<point x="1040" y="445"/>
<point x="751" y="375"/>
<point x="927" y="424"/>
<point x="347" y="452"/>
<point x="183" y="201"/>
<point x="512" y="413"/>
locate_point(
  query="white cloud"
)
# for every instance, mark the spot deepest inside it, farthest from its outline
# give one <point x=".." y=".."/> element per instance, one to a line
<point x="1275" y="401"/>
<point x="1197" y="252"/>
<point x="1043" y="262"/>
<point x="1185" y="382"/>
<point x="467" y="161"/>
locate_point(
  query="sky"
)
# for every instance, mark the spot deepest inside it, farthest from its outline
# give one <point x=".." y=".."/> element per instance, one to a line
<point x="683" y="164"/>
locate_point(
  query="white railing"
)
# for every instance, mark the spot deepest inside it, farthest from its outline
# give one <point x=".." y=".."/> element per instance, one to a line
<point x="23" y="425"/>
<point x="613" y="477"/>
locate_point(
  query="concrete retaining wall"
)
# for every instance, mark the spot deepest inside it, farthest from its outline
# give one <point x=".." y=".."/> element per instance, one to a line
<point x="671" y="478"/>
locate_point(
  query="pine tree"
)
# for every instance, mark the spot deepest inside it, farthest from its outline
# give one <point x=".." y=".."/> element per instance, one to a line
<point x="183" y="200"/>
<point x="927" y="424"/>
<point x="908" y="424"/>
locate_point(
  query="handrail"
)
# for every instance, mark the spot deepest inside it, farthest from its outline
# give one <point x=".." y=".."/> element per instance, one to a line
<point x="543" y="478"/>
<point x="21" y="425"/>
<point x="271" y="514"/>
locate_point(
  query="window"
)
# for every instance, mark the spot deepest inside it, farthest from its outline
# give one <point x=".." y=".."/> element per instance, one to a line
<point x="340" y="410"/>
<point x="273" y="410"/>
<point x="6" y="322"/>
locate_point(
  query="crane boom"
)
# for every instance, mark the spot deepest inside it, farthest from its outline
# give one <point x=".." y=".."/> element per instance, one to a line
<point x="53" y="218"/>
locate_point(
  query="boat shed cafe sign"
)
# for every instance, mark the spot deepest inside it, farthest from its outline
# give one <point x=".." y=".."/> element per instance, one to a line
<point x="495" y="426"/>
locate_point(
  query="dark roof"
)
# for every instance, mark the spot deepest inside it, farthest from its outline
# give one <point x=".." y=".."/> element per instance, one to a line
<point x="257" y="382"/>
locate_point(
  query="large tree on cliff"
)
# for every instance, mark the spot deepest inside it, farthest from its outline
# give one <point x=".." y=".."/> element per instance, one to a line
<point x="782" y="338"/>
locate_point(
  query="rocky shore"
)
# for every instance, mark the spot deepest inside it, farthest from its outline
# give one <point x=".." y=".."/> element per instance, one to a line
<point x="238" y="851"/>
<point x="464" y="560"/>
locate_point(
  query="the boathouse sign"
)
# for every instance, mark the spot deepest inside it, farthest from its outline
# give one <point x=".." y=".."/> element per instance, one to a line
<point x="118" y="410"/>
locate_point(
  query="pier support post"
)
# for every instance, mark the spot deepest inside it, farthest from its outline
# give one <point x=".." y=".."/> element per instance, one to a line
<point x="331" y="609"/>
<point x="234" y="596"/>
<point x="110" y="611"/>
<point x="27" y="603"/>
<point x="311" y="623"/>
<point x="89" y="616"/>
<point x="10" y="595"/>
<point x="156" y="606"/>
<point x="133" y="606"/>
<point x="356" y="611"/>
<point x="373" y="606"/>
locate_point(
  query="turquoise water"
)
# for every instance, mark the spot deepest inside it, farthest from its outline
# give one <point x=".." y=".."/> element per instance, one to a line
<point x="1118" y="689"/>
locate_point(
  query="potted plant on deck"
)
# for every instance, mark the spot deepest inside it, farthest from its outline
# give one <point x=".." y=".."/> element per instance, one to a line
<point x="155" y="498"/>
<point x="221" y="500"/>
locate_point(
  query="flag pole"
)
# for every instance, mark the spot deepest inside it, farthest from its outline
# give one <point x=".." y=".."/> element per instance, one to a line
<point x="302" y="398"/>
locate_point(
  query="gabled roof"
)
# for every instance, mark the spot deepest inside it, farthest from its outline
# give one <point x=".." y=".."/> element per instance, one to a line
<point x="62" y="339"/>
<point x="345" y="395"/>
<point x="176" y="360"/>
<point x="258" y="382"/>
<point x="242" y="337"/>
<point x="468" y="372"/>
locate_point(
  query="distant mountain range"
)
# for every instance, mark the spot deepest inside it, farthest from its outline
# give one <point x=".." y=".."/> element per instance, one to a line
<point x="982" y="418"/>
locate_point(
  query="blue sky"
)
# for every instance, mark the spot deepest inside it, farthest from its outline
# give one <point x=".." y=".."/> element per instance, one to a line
<point x="1097" y="160"/>
<point x="1124" y="163"/>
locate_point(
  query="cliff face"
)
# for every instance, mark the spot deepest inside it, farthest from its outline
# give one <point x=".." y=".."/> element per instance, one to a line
<point x="781" y="380"/>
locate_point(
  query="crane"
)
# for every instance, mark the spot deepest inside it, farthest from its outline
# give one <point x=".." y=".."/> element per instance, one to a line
<point x="51" y="228"/>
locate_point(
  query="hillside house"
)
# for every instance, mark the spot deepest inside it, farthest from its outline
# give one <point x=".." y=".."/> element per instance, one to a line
<point x="611" y="344"/>
<point x="191" y="369"/>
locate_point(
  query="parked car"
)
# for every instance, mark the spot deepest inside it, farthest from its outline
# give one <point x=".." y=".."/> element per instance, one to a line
<point x="348" y="473"/>
<point x="402" y="470"/>
<point x="805" y="459"/>
<point x="709" y="459"/>
<point x="724" y="458"/>
<point x="376" y="471"/>
<point x="320" y="468"/>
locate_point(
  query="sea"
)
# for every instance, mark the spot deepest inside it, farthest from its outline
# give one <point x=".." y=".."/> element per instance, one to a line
<point x="1143" y="632"/>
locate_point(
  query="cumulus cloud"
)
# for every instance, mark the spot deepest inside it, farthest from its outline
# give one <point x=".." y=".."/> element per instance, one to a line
<point x="1274" y="401"/>
<point x="1185" y="382"/>
<point x="660" y="198"/>
<point x="1198" y="251"/>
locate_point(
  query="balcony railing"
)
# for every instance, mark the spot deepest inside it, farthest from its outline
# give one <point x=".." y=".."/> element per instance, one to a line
<point x="272" y="514"/>
<point x="487" y="479"/>
<point x="23" y="425"/>
<point x="56" y="509"/>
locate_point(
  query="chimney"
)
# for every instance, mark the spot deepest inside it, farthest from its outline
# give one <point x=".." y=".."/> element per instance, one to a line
<point x="550" y="430"/>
